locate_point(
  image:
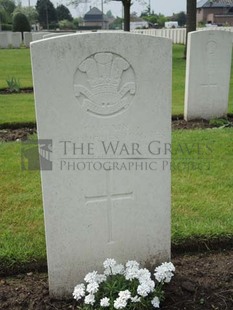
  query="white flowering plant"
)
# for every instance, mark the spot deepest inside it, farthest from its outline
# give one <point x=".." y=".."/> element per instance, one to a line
<point x="123" y="287"/>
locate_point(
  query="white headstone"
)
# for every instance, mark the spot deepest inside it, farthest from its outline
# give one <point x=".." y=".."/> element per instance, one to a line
<point x="179" y="36"/>
<point x="207" y="74"/>
<point x="16" y="39"/>
<point x="27" y="38"/>
<point x="184" y="36"/>
<point x="104" y="100"/>
<point x="51" y="35"/>
<point x="175" y="34"/>
<point x="4" y="39"/>
<point x="38" y="35"/>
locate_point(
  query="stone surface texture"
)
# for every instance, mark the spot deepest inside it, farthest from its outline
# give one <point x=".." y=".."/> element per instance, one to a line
<point x="27" y="38"/>
<point x="104" y="100"/>
<point x="16" y="39"/>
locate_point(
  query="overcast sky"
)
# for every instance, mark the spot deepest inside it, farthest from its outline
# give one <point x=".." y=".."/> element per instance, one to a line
<point x="166" y="7"/>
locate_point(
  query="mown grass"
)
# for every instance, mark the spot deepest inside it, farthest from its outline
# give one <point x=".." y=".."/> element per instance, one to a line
<point x="22" y="229"/>
<point x="202" y="183"/>
<point x="230" y="109"/>
<point x="15" y="63"/>
<point x="17" y="108"/>
<point x="202" y="196"/>
<point x="178" y="79"/>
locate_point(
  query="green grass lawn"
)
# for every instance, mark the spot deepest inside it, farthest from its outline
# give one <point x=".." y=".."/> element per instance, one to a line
<point x="202" y="196"/>
<point x="15" y="63"/>
<point x="178" y="79"/>
<point x="22" y="230"/>
<point x="17" y="108"/>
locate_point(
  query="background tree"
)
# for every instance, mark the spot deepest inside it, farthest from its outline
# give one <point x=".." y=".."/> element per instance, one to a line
<point x="126" y="4"/>
<point x="180" y="18"/>
<point x="3" y="16"/>
<point x="109" y="14"/>
<point x="30" y="12"/>
<point x="46" y="13"/>
<point x="116" y="24"/>
<point x="7" y="8"/>
<point x="191" y="19"/>
<point x="66" y="24"/>
<point x="63" y="13"/>
<point x="77" y="21"/>
<point x="21" y="23"/>
<point x="155" y="19"/>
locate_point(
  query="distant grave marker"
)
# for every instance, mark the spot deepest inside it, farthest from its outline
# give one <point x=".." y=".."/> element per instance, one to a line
<point x="207" y="74"/>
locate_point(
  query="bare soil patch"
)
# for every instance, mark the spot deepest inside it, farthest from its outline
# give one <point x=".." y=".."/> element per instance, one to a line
<point x="7" y="91"/>
<point x="17" y="131"/>
<point x="202" y="281"/>
<point x="20" y="134"/>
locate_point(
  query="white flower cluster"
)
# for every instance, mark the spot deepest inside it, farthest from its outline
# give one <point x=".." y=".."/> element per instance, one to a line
<point x="121" y="301"/>
<point x="112" y="268"/>
<point x="164" y="273"/>
<point x="132" y="273"/>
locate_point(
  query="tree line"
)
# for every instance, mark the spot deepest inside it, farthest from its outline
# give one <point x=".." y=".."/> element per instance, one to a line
<point x="18" y="18"/>
<point x="49" y="17"/>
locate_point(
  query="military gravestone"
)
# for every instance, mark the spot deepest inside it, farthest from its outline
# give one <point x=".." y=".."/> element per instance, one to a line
<point x="207" y="74"/>
<point x="103" y="101"/>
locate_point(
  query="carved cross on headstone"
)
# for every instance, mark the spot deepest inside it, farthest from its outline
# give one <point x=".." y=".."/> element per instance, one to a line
<point x="109" y="198"/>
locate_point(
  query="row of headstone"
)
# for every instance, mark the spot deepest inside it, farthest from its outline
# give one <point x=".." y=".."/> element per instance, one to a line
<point x="107" y="193"/>
<point x="27" y="38"/>
<point x="52" y="35"/>
<point x="178" y="36"/>
<point x="213" y="27"/>
<point x="10" y="39"/>
<point x="208" y="70"/>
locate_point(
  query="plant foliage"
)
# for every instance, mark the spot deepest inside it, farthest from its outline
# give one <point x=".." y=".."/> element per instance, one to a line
<point x="21" y="23"/>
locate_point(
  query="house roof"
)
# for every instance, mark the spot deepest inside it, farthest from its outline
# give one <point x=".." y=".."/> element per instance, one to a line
<point x="214" y="3"/>
<point x="94" y="11"/>
<point x="95" y="15"/>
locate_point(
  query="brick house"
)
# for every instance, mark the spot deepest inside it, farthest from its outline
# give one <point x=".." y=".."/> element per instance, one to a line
<point x="95" y="19"/>
<point x="218" y="12"/>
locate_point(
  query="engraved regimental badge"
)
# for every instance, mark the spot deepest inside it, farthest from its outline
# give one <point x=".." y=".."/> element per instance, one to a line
<point x="104" y="84"/>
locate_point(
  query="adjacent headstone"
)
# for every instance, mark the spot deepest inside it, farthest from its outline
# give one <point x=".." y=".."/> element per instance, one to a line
<point x="207" y="74"/>
<point x="184" y="36"/>
<point x="103" y="101"/>
<point x="4" y="41"/>
<point x="27" y="38"/>
<point x="52" y="35"/>
<point x="38" y="35"/>
<point x="16" y="39"/>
